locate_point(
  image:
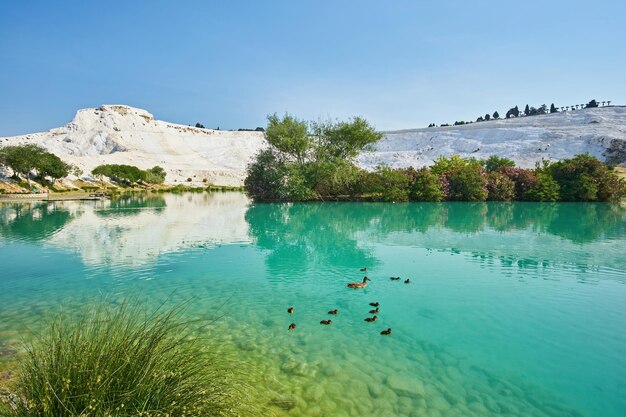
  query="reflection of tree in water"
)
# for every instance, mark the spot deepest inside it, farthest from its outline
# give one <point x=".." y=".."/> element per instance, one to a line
<point x="32" y="221"/>
<point x="301" y="234"/>
<point x="298" y="234"/>
<point x="130" y="204"/>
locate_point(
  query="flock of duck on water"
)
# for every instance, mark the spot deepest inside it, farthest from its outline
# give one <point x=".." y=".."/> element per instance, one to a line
<point x="375" y="311"/>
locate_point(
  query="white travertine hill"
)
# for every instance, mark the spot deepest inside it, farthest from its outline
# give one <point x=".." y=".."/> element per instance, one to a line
<point x="601" y="132"/>
<point x="118" y="134"/>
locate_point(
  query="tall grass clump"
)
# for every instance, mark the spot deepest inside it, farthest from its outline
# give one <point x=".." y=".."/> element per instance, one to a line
<point x="122" y="361"/>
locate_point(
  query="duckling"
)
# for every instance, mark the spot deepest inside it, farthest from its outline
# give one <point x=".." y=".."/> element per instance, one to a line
<point x="326" y="321"/>
<point x="359" y="284"/>
<point x="292" y="326"/>
<point x="290" y="310"/>
<point x="371" y="319"/>
<point x="335" y="311"/>
<point x="375" y="311"/>
<point x="386" y="332"/>
<point x="407" y="281"/>
<point x="363" y="269"/>
<point x="395" y="278"/>
<point x="376" y="304"/>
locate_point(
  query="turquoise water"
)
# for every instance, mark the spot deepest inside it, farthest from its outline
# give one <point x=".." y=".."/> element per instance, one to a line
<point x="514" y="309"/>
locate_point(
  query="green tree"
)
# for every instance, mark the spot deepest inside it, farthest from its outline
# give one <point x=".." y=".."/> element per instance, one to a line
<point x="155" y="175"/>
<point x="527" y="110"/>
<point x="50" y="165"/>
<point x="308" y="161"/>
<point x="544" y="189"/>
<point x="427" y="186"/>
<point x="585" y="178"/>
<point x="343" y="140"/>
<point x="496" y="115"/>
<point x="289" y="137"/>
<point x="494" y="163"/>
<point x="500" y="187"/>
<point x="22" y="159"/>
<point x="552" y="108"/>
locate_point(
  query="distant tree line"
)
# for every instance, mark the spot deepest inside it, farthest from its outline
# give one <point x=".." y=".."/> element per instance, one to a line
<point x="309" y="161"/>
<point x="30" y="158"/>
<point x="528" y="111"/>
<point x="129" y="174"/>
<point x="258" y="129"/>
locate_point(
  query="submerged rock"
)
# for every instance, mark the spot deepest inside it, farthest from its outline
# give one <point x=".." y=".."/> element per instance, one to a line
<point x="406" y="385"/>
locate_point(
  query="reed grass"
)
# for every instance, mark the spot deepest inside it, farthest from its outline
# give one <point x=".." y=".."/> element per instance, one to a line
<point x="123" y="361"/>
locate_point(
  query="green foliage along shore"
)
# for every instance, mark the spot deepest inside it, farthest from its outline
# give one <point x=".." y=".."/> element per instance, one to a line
<point x="129" y="174"/>
<point x="25" y="159"/>
<point x="313" y="161"/>
<point x="308" y="160"/>
<point x="125" y="361"/>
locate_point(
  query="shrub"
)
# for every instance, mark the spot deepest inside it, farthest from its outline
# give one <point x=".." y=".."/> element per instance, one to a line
<point x="524" y="179"/>
<point x="394" y="184"/>
<point x="467" y="184"/>
<point x="500" y="187"/>
<point x="122" y="362"/>
<point x="544" y="189"/>
<point x="494" y="163"/>
<point x="585" y="178"/>
<point x="23" y="159"/>
<point x="155" y="175"/>
<point x="266" y="177"/>
<point x="428" y="186"/>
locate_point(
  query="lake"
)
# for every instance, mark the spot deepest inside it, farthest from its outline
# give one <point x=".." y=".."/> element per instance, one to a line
<point x="513" y="309"/>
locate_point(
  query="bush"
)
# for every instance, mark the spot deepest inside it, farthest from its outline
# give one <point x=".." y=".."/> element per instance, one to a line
<point x="428" y="186"/>
<point x="155" y="175"/>
<point x="394" y="184"/>
<point x="494" y="163"/>
<point x="307" y="161"/>
<point x="585" y="178"/>
<point x="122" y="362"/>
<point x="544" y="189"/>
<point x="467" y="183"/>
<point x="500" y="187"/>
<point x="23" y="159"/>
<point x="524" y="179"/>
<point x="129" y="174"/>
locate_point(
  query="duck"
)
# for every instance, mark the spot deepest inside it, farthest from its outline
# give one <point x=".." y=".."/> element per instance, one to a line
<point x="407" y="281"/>
<point x="395" y="278"/>
<point x="335" y="311"/>
<point x="371" y="319"/>
<point x="359" y="284"/>
<point x="290" y="310"/>
<point x="363" y="269"/>
<point x="376" y="304"/>
<point x="326" y="321"/>
<point x="375" y="311"/>
<point x="386" y="332"/>
<point x="292" y="326"/>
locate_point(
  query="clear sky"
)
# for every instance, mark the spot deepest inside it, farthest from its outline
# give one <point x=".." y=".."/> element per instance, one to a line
<point x="400" y="64"/>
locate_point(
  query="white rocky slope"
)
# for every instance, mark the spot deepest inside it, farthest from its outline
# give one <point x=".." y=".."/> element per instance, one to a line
<point x="601" y="132"/>
<point x="115" y="134"/>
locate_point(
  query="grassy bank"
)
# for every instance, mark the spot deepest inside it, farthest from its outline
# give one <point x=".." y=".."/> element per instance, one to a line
<point x="125" y="361"/>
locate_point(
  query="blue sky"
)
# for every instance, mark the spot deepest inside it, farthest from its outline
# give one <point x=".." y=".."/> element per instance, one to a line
<point x="400" y="64"/>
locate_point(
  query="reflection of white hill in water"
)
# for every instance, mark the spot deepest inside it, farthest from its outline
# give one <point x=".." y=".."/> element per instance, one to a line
<point x="525" y="248"/>
<point x="137" y="236"/>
